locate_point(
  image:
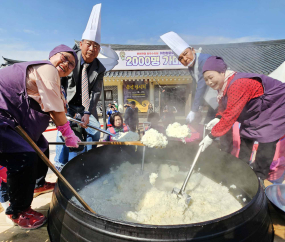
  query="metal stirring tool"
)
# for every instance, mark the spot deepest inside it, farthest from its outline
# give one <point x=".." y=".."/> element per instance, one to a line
<point x="143" y="156"/>
<point x="181" y="192"/>
<point x="93" y="127"/>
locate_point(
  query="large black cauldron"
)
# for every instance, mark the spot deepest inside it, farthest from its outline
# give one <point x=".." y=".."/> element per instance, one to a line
<point x="69" y="222"/>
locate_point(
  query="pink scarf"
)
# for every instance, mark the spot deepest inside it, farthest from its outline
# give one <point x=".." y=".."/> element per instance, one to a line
<point x="228" y="74"/>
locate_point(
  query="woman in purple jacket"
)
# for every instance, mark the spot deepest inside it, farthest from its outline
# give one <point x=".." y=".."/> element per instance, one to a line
<point x="30" y="95"/>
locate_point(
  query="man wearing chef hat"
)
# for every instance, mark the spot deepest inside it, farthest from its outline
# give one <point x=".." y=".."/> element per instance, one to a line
<point x="84" y="85"/>
<point x="194" y="61"/>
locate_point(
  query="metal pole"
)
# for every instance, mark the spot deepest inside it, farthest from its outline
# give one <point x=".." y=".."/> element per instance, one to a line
<point x="103" y="107"/>
<point x="191" y="170"/>
<point x="143" y="160"/>
<point x="159" y="102"/>
<point x="137" y="143"/>
<point x="144" y="146"/>
<point x="204" y="131"/>
<point x="91" y="126"/>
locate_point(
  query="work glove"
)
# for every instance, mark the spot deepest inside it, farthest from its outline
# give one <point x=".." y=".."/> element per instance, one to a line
<point x="3" y="174"/>
<point x="212" y="123"/>
<point x="190" y="117"/>
<point x="207" y="141"/>
<point x="70" y="138"/>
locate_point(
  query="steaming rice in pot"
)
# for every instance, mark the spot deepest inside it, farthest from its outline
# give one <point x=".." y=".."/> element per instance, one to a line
<point x="125" y="194"/>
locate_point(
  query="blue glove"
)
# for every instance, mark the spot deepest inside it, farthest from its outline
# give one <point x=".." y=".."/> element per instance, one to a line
<point x="190" y="117"/>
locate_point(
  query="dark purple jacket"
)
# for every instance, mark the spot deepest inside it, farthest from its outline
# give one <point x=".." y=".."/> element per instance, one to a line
<point x="17" y="108"/>
<point x="263" y="118"/>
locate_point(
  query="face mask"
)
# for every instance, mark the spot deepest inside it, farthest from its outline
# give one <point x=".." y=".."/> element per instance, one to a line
<point x="192" y="60"/>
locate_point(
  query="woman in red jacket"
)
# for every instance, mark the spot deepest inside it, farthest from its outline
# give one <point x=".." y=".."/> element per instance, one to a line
<point x="256" y="101"/>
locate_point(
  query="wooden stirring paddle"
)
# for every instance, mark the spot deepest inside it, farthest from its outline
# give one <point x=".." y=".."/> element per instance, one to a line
<point x="26" y="137"/>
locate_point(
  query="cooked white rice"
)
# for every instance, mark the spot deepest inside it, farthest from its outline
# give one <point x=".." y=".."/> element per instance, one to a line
<point x="176" y="130"/>
<point x="153" y="138"/>
<point x="126" y="194"/>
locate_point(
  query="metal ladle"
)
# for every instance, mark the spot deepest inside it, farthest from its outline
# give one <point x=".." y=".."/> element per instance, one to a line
<point x="92" y="127"/>
<point x="181" y="193"/>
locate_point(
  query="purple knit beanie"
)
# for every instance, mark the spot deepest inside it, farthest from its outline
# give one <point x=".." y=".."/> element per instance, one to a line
<point x="215" y="63"/>
<point x="63" y="48"/>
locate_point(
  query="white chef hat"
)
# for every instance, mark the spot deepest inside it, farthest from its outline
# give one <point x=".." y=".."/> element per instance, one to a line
<point x="93" y="28"/>
<point x="175" y="42"/>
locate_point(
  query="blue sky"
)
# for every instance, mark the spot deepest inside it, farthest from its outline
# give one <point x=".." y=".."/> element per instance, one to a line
<point x="30" y="29"/>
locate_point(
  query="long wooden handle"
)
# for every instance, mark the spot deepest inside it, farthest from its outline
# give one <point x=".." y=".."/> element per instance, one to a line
<point x="51" y="166"/>
<point x="102" y="143"/>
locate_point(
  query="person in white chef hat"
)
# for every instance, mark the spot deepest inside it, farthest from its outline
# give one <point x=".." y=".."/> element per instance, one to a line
<point x="83" y="87"/>
<point x="187" y="56"/>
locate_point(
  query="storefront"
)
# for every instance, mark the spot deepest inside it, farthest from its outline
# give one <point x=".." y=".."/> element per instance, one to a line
<point x="114" y="90"/>
<point x="142" y="75"/>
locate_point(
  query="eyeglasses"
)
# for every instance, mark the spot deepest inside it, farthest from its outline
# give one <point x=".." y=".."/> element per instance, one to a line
<point x="63" y="58"/>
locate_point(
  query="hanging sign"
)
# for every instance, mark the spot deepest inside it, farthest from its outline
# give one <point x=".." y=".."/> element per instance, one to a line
<point x="147" y="60"/>
<point x="137" y="91"/>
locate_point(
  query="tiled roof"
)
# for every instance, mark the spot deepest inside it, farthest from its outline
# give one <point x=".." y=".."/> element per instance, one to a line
<point x="261" y="57"/>
<point x="258" y="57"/>
<point x="11" y="60"/>
<point x="131" y="47"/>
<point x="147" y="73"/>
